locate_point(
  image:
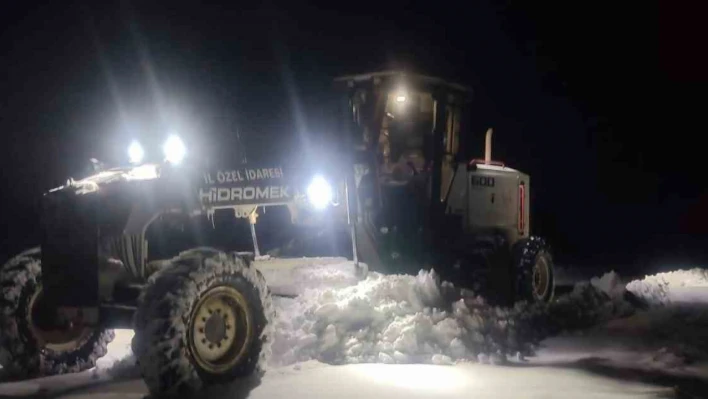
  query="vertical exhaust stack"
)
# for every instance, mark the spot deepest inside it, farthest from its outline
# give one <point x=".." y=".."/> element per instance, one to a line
<point x="488" y="147"/>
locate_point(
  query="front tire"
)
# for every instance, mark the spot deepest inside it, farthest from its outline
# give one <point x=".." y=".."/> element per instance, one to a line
<point x="203" y="319"/>
<point x="535" y="278"/>
<point x="24" y="350"/>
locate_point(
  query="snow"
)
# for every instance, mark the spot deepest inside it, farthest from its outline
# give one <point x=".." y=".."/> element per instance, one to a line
<point x="675" y="286"/>
<point x="417" y="319"/>
<point x="291" y="277"/>
<point x="22" y="388"/>
<point x="610" y="283"/>
<point x="664" y="341"/>
<point x="414" y="319"/>
<point x="119" y="362"/>
<point x="413" y="336"/>
<point x="317" y="380"/>
<point x="388" y="319"/>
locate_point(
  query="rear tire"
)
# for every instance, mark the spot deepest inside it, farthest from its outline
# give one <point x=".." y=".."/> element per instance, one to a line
<point x="180" y="343"/>
<point x="533" y="263"/>
<point x="22" y="353"/>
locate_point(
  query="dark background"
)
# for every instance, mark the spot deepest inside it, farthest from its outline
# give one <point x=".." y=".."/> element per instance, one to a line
<point x="602" y="103"/>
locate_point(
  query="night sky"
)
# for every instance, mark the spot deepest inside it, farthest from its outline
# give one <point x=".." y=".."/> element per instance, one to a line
<point x="602" y="103"/>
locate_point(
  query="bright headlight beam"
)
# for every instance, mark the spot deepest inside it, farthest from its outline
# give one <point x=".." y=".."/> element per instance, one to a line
<point x="319" y="192"/>
<point x="174" y="149"/>
<point x="136" y="153"/>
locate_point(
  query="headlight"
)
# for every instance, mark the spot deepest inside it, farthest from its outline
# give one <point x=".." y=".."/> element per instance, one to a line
<point x="135" y="152"/>
<point x="174" y="149"/>
<point x="319" y="192"/>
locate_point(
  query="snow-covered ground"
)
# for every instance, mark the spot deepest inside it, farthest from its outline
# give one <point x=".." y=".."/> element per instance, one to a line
<point x="395" y="336"/>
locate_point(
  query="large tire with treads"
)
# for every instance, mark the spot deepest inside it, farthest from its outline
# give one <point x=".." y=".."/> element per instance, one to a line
<point x="181" y="301"/>
<point x="534" y="272"/>
<point x="22" y="354"/>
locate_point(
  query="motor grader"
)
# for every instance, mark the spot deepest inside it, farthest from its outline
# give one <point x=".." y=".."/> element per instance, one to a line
<point x="399" y="187"/>
<point x="423" y="200"/>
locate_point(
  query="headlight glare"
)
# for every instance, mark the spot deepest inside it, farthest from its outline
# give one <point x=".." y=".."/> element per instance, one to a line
<point x="136" y="153"/>
<point x="174" y="149"/>
<point x="319" y="192"/>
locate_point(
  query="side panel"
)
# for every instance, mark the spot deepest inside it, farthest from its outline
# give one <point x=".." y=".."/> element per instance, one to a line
<point x="69" y="250"/>
<point x="492" y="198"/>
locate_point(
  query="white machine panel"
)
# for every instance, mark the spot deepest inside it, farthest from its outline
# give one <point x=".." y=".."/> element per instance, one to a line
<point x="491" y="196"/>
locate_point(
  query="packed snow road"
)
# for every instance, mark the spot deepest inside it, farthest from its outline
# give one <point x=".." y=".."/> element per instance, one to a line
<point x="396" y="336"/>
<point x="314" y="379"/>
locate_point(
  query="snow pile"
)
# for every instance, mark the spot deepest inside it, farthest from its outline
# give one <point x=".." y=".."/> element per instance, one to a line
<point x="407" y="319"/>
<point x="652" y="289"/>
<point x="657" y="289"/>
<point x="291" y="277"/>
<point x="410" y="319"/>
<point x="125" y="367"/>
<point x="417" y="319"/>
<point x="587" y="305"/>
<point x="390" y="319"/>
<point x="677" y="323"/>
<point x="339" y="319"/>
<point x="667" y="336"/>
<point x="610" y="283"/>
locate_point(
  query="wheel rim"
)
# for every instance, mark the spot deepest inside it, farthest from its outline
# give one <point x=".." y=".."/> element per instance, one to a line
<point x="58" y="341"/>
<point x="541" y="278"/>
<point x="221" y="326"/>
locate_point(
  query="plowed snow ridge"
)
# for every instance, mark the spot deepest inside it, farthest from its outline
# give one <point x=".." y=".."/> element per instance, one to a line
<point x="416" y="319"/>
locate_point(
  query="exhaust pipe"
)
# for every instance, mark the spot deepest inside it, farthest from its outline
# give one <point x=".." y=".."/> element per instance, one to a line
<point x="488" y="147"/>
